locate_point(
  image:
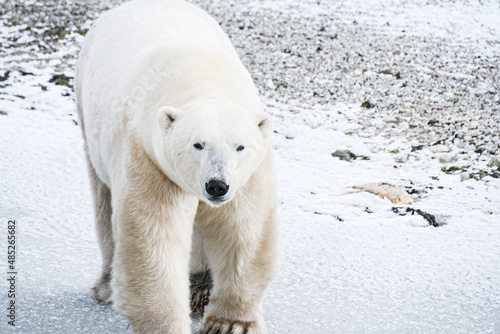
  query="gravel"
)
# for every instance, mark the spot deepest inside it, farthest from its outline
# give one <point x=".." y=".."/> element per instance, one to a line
<point x="428" y="88"/>
<point x="432" y="87"/>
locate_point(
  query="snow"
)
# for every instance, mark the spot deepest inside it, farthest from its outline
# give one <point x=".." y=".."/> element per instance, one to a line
<point x="379" y="272"/>
<point x="349" y="263"/>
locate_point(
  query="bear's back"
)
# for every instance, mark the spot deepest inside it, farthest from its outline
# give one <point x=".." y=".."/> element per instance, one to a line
<point x="122" y="36"/>
<point x="142" y="24"/>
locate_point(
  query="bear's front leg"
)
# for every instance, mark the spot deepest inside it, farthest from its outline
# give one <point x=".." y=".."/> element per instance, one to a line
<point x="242" y="255"/>
<point x="153" y="219"/>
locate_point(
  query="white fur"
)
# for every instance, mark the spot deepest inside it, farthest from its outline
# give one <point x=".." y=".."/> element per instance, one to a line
<point x="156" y="77"/>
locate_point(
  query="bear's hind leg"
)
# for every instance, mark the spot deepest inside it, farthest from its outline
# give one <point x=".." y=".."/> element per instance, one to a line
<point x="103" y="211"/>
<point x="201" y="286"/>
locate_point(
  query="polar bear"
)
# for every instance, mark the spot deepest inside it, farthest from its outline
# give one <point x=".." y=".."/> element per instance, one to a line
<point x="182" y="170"/>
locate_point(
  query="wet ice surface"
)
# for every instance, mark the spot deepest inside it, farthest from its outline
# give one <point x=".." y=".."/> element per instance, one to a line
<point x="349" y="264"/>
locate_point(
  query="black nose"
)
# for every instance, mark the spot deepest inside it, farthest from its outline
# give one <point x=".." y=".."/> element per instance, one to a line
<point x="216" y="188"/>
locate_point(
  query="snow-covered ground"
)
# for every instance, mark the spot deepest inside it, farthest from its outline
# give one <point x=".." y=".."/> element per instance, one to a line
<point x="350" y="263"/>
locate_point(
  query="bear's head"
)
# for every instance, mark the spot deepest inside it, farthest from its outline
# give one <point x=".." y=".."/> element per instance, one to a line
<point x="210" y="148"/>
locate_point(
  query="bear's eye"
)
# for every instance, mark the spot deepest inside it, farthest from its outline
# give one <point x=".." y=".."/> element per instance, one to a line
<point x="240" y="148"/>
<point x="198" y="146"/>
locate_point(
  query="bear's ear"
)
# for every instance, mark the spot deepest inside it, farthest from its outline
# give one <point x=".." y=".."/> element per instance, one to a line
<point x="166" y="116"/>
<point x="265" y="123"/>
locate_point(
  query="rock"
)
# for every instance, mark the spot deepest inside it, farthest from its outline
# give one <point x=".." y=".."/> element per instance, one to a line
<point x="61" y="80"/>
<point x="430" y="218"/>
<point x="396" y="194"/>
<point x="344" y="155"/>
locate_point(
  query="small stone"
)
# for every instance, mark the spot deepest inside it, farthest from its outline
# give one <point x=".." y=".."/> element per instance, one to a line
<point x="467" y="137"/>
<point x="367" y="104"/>
<point x="446" y="159"/>
<point x="402" y="159"/>
<point x="491" y="147"/>
<point x="464" y="176"/>
<point x="474" y="133"/>
<point x="270" y="84"/>
<point x="460" y="144"/>
<point x="473" y="125"/>
<point x="470" y="147"/>
<point x="439" y="149"/>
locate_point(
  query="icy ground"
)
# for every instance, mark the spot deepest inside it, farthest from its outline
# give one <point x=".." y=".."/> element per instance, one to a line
<point x="350" y="263"/>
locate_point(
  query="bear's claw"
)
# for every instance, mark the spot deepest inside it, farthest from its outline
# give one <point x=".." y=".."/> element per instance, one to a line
<point x="201" y="285"/>
<point x="214" y="325"/>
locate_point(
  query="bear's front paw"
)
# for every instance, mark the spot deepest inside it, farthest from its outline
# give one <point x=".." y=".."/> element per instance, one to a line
<point x="214" y="325"/>
<point x="201" y="285"/>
